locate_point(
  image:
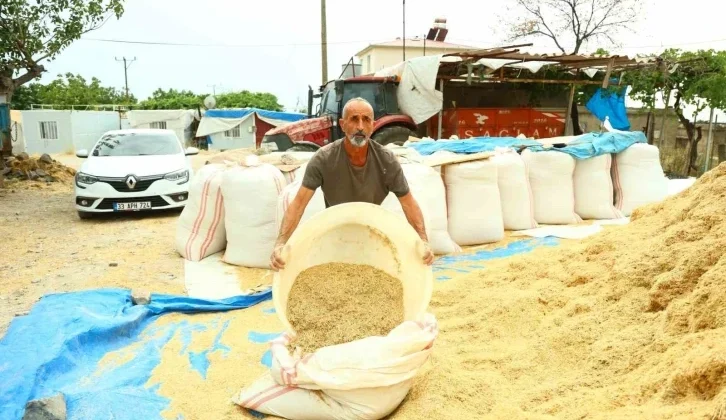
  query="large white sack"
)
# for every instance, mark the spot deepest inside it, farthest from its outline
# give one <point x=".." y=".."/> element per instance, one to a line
<point x="364" y="379"/>
<point x="638" y="178"/>
<point x="200" y="230"/>
<point x="428" y="189"/>
<point x="474" y="205"/>
<point x="551" y="178"/>
<point x="315" y="206"/>
<point x="594" y="189"/>
<point x="514" y="191"/>
<point x="250" y="199"/>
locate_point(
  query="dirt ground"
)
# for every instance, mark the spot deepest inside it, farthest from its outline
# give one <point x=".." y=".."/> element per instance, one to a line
<point x="46" y="248"/>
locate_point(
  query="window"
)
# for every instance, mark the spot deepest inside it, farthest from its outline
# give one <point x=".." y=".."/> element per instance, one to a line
<point x="234" y="133"/>
<point x="368" y="64"/>
<point x="48" y="130"/>
<point x="159" y="125"/>
<point x="125" y="144"/>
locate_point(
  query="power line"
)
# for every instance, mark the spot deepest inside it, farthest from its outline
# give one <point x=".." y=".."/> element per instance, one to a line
<point x="177" y="44"/>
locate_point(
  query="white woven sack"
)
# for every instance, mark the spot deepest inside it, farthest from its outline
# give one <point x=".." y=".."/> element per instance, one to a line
<point x="551" y="178"/>
<point x="250" y="199"/>
<point x="473" y="202"/>
<point x="514" y="191"/>
<point x="364" y="379"/>
<point x="594" y="189"/>
<point x="428" y="189"/>
<point x="315" y="206"/>
<point x="200" y="230"/>
<point x="638" y="178"/>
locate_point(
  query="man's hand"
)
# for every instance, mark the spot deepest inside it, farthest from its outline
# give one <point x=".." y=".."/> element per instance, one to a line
<point x="276" y="261"/>
<point x="428" y="255"/>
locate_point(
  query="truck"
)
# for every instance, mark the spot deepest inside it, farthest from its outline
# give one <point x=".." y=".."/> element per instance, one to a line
<point x="321" y="127"/>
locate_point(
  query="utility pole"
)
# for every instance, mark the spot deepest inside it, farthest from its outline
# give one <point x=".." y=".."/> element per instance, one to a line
<point x="404" y="30"/>
<point x="324" y="40"/>
<point x="126" y="73"/>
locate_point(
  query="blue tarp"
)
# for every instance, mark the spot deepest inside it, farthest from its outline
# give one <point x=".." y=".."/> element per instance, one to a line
<point x="583" y="147"/>
<point x="243" y="112"/>
<point x="612" y="105"/>
<point x="57" y="347"/>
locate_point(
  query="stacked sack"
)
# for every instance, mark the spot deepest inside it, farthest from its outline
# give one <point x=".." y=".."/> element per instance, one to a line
<point x="551" y="179"/>
<point x="201" y="229"/>
<point x="638" y="178"/>
<point x="428" y="189"/>
<point x="250" y="196"/>
<point x="474" y="204"/>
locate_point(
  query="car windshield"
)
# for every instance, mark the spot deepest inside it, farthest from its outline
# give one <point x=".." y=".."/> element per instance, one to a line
<point x="136" y="144"/>
<point x="382" y="96"/>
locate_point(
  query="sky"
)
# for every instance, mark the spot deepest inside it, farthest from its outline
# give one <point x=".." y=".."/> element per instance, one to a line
<point x="274" y="45"/>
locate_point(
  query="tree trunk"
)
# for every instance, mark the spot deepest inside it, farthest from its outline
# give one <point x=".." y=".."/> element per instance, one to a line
<point x="694" y="134"/>
<point x="5" y="139"/>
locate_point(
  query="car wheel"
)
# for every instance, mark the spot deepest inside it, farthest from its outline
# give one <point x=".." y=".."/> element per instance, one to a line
<point x="84" y="215"/>
<point x="392" y="135"/>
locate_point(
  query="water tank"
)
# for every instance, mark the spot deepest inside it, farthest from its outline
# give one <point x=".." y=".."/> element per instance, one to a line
<point x="350" y="70"/>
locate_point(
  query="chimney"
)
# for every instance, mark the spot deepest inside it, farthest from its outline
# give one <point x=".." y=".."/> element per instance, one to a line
<point x="438" y="31"/>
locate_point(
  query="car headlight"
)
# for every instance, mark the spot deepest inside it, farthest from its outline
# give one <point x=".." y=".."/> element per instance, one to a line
<point x="179" y="177"/>
<point x="82" y="178"/>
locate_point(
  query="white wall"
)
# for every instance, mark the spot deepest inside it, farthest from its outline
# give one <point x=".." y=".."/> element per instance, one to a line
<point x="16" y="131"/>
<point x="88" y="126"/>
<point x="31" y="129"/>
<point x="382" y="57"/>
<point x="247" y="140"/>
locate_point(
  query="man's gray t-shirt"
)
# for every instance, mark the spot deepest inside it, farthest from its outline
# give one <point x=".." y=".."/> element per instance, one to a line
<point x="341" y="182"/>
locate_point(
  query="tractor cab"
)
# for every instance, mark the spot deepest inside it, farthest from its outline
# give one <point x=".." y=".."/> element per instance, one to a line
<point x="321" y="127"/>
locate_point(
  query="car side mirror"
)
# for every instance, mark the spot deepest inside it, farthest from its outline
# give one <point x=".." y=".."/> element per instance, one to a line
<point x="83" y="153"/>
<point x="191" y="151"/>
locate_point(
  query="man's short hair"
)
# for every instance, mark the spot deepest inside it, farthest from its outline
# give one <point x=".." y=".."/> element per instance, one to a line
<point x="354" y="100"/>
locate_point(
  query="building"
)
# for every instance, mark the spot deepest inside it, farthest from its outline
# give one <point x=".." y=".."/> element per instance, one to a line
<point x="55" y="131"/>
<point x="378" y="56"/>
<point x="228" y="129"/>
<point x="180" y="121"/>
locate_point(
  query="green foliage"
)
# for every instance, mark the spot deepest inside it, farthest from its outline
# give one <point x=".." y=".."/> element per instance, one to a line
<point x="68" y="90"/>
<point x="695" y="78"/>
<point x="173" y="99"/>
<point x="247" y="99"/>
<point x="33" y="31"/>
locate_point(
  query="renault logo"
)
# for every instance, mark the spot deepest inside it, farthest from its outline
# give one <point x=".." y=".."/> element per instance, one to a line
<point x="131" y="182"/>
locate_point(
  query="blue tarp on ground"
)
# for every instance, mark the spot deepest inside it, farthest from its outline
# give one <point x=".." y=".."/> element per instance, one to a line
<point x="583" y="147"/>
<point x="57" y="346"/>
<point x="243" y="112"/>
<point x="612" y="105"/>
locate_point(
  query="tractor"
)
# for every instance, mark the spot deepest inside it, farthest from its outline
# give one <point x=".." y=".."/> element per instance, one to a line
<point x="321" y="128"/>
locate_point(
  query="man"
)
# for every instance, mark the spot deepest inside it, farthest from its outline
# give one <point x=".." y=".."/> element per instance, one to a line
<point x="352" y="169"/>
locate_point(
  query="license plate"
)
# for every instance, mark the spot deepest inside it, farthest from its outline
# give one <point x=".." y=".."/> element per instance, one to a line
<point x="143" y="205"/>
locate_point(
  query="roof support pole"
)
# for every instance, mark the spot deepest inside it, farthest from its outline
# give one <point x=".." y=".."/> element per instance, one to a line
<point x="441" y="111"/>
<point x="568" y="113"/>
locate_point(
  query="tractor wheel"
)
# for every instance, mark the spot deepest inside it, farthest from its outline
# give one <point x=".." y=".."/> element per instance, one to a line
<point x="303" y="148"/>
<point x="392" y="135"/>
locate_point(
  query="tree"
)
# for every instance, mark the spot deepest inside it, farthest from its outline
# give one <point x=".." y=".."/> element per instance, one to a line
<point x="247" y="99"/>
<point x="696" y="79"/>
<point x="32" y="32"/>
<point x="68" y="90"/>
<point x="571" y="25"/>
<point x="173" y="99"/>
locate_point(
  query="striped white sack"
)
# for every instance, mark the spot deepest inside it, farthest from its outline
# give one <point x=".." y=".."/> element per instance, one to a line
<point x="364" y="379"/>
<point x="200" y="230"/>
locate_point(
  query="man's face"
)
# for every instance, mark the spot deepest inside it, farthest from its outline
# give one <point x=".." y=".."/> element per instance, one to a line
<point x="357" y="123"/>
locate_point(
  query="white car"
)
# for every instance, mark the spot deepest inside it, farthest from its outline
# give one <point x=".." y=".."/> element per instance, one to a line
<point x="133" y="170"/>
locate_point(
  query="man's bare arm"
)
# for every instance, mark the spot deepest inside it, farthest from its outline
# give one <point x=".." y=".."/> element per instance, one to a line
<point x="415" y="219"/>
<point x="414" y="215"/>
<point x="289" y="223"/>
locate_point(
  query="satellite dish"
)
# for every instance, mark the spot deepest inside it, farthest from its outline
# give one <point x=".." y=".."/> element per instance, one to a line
<point x="210" y="102"/>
